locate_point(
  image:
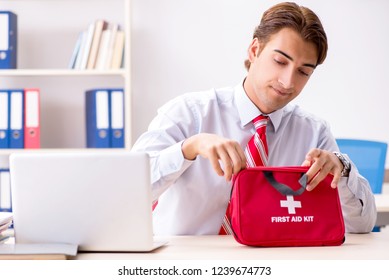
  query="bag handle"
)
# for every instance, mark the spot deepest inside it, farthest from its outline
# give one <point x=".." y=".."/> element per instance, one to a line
<point x="284" y="189"/>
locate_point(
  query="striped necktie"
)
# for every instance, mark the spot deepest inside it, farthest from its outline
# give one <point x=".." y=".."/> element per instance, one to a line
<point x="256" y="153"/>
<point x="256" y="150"/>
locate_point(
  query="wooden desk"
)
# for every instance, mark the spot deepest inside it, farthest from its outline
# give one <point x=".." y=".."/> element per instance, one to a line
<point x="382" y="204"/>
<point x="357" y="246"/>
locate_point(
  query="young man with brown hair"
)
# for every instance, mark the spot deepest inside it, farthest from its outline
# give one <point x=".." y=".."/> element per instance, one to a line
<point x="197" y="140"/>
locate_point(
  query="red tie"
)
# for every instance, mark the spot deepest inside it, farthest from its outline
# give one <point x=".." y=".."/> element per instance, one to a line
<point x="256" y="154"/>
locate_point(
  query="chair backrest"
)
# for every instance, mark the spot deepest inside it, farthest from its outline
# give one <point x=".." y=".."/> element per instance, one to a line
<point x="369" y="157"/>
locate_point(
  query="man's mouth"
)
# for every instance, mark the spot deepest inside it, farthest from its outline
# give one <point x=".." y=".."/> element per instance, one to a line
<point x="282" y="92"/>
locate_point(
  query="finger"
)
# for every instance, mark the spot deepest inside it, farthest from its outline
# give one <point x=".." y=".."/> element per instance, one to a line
<point x="242" y="156"/>
<point x="227" y="163"/>
<point x="236" y="162"/>
<point x="238" y="159"/>
<point x="337" y="172"/>
<point x="310" y="160"/>
<point x="214" y="159"/>
<point x="324" y="171"/>
<point x="313" y="153"/>
<point x="313" y="171"/>
<point x="335" y="180"/>
<point x="232" y="152"/>
<point x="317" y="160"/>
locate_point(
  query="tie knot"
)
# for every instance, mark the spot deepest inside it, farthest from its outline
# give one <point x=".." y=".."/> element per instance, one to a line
<point x="260" y="121"/>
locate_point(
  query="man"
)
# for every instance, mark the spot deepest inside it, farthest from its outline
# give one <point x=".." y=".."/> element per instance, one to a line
<point x="196" y="141"/>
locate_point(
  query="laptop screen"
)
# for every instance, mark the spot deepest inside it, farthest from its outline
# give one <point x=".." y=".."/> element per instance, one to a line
<point x="100" y="201"/>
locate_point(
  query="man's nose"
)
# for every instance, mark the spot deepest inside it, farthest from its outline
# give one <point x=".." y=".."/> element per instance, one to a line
<point x="286" y="79"/>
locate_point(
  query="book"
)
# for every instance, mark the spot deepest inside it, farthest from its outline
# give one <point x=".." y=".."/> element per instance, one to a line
<point x="100" y="47"/>
<point x="8" y="40"/>
<point x="77" y="64"/>
<point x="118" y="50"/>
<point x="103" y="49"/>
<point x="100" y="25"/>
<point x="87" y="46"/>
<point x="76" y="51"/>
<point x="110" y="48"/>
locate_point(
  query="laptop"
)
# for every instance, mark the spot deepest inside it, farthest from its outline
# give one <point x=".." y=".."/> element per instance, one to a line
<point x="100" y="201"/>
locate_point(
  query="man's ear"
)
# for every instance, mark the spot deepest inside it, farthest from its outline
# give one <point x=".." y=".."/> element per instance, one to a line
<point x="254" y="49"/>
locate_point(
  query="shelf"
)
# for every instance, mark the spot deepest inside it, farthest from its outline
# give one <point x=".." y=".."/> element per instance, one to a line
<point x="46" y="41"/>
<point x="59" y="72"/>
<point x="7" y="152"/>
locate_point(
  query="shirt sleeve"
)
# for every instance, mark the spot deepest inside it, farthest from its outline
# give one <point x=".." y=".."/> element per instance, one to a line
<point x="358" y="203"/>
<point x="356" y="197"/>
<point x="163" y="141"/>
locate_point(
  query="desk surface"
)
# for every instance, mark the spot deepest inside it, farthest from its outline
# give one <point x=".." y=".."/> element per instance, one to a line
<point x="357" y="246"/>
<point x="382" y="204"/>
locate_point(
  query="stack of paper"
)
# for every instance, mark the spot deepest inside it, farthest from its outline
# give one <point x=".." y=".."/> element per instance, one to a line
<point x="5" y="220"/>
<point x="49" y="251"/>
<point x="10" y="250"/>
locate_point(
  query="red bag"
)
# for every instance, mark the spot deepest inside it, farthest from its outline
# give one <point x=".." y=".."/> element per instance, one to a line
<point x="270" y="207"/>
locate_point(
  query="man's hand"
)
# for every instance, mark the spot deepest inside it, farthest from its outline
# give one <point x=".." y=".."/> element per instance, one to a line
<point x="226" y="156"/>
<point x="321" y="164"/>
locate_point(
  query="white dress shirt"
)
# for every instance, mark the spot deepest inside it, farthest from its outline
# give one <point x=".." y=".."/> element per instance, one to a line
<point x="192" y="198"/>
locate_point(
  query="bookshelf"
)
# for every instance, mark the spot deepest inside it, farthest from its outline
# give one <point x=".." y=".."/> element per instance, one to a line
<point x="47" y="34"/>
<point x="60" y="72"/>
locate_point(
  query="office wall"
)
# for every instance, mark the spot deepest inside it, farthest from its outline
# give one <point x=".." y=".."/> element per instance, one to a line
<point x="188" y="45"/>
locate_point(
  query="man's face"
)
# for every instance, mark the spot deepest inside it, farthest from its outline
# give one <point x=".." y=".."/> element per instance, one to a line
<point x="279" y="73"/>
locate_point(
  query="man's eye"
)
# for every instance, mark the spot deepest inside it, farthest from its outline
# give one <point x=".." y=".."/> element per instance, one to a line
<point x="303" y="73"/>
<point x="279" y="62"/>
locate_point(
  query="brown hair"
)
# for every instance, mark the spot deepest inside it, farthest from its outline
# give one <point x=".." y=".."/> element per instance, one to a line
<point x="300" y="19"/>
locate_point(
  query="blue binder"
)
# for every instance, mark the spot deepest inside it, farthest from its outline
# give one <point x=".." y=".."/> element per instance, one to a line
<point x="16" y="118"/>
<point x="8" y="40"/>
<point x="4" y="115"/>
<point x="117" y="118"/>
<point x="97" y="118"/>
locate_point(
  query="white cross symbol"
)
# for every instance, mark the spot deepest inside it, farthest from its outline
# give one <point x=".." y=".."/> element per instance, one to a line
<point x="291" y="204"/>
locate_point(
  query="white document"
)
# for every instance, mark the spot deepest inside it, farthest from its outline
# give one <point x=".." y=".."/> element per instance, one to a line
<point x="5" y="191"/>
<point x="5" y="218"/>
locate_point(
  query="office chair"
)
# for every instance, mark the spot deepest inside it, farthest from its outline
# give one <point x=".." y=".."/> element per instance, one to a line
<point x="369" y="157"/>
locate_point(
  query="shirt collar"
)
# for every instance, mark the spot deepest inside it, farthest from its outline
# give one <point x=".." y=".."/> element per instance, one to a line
<point x="248" y="111"/>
